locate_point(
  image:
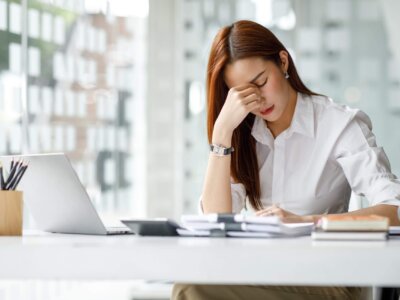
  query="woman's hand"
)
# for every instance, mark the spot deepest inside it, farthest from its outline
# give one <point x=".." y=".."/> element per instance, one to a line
<point x="241" y="100"/>
<point x="284" y="215"/>
<point x="275" y="210"/>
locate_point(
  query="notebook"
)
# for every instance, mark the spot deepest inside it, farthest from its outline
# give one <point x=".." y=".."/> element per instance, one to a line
<point x="57" y="199"/>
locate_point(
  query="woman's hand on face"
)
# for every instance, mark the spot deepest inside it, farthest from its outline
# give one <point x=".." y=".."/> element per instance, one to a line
<point x="241" y="100"/>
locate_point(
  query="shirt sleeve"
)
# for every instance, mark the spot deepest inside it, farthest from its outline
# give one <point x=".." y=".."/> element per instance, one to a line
<point x="366" y="165"/>
<point x="238" y="193"/>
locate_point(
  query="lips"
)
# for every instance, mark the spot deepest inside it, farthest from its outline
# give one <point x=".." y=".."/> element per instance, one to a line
<point x="268" y="110"/>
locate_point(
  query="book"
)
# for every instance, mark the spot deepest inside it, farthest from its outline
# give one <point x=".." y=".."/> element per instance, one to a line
<point x="354" y="223"/>
<point x="229" y="218"/>
<point x="240" y="226"/>
<point x="394" y="230"/>
<point x="349" y="235"/>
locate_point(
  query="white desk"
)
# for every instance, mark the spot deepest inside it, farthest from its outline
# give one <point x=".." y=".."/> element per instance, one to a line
<point x="200" y="260"/>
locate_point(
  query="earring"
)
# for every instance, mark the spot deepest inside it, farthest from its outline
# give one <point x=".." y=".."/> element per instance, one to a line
<point x="286" y="75"/>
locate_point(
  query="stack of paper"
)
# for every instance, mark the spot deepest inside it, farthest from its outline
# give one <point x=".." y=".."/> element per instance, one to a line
<point x="236" y="225"/>
<point x="345" y="227"/>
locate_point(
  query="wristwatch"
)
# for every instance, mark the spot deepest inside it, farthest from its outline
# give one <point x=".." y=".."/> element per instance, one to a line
<point x="221" y="150"/>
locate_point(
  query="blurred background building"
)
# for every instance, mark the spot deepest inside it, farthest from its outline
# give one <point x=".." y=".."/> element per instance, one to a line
<point x="120" y="85"/>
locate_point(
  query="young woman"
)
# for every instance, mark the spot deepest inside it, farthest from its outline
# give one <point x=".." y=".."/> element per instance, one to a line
<point x="283" y="150"/>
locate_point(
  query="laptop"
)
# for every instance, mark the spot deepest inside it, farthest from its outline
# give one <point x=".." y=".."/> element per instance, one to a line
<point x="57" y="199"/>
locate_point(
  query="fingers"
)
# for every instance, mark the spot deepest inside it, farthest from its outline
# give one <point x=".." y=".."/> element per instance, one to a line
<point x="273" y="210"/>
<point x="242" y="87"/>
<point x="249" y="91"/>
<point x="253" y="105"/>
<point x="245" y="90"/>
<point x="251" y="98"/>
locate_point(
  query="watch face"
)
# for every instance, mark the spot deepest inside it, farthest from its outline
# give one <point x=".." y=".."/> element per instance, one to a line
<point x="221" y="150"/>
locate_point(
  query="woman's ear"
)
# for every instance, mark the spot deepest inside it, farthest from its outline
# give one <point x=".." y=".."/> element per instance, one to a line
<point x="284" y="56"/>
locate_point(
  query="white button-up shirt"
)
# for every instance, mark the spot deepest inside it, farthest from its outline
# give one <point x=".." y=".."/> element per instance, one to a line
<point x="312" y="167"/>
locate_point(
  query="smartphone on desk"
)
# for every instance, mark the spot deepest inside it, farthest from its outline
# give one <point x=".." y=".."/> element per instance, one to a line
<point x="152" y="227"/>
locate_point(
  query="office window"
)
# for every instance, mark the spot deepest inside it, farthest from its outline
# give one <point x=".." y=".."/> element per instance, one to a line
<point x="78" y="65"/>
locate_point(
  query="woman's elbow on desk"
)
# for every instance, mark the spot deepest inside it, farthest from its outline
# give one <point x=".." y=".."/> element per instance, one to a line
<point x="386" y="210"/>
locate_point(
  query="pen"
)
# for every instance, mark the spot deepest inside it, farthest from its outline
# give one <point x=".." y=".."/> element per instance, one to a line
<point x="1" y="177"/>
<point x="13" y="174"/>
<point x="10" y="184"/>
<point x="19" y="177"/>
<point x="13" y="168"/>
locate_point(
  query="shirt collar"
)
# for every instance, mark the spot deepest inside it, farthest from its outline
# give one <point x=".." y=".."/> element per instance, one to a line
<point x="261" y="132"/>
<point x="303" y="117"/>
<point x="302" y="122"/>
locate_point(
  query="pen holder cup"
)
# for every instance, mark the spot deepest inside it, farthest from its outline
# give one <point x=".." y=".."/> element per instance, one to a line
<point x="11" y="207"/>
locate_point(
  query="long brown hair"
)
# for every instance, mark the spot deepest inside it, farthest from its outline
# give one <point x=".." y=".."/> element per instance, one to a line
<point x="241" y="40"/>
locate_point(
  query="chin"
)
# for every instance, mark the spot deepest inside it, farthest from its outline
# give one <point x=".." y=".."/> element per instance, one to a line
<point x="271" y="118"/>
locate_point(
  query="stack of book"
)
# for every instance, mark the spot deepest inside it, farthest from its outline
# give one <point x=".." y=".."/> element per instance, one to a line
<point x="345" y="227"/>
<point x="237" y="225"/>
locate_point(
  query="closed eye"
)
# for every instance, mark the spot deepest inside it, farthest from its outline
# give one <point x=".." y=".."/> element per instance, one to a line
<point x="261" y="85"/>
